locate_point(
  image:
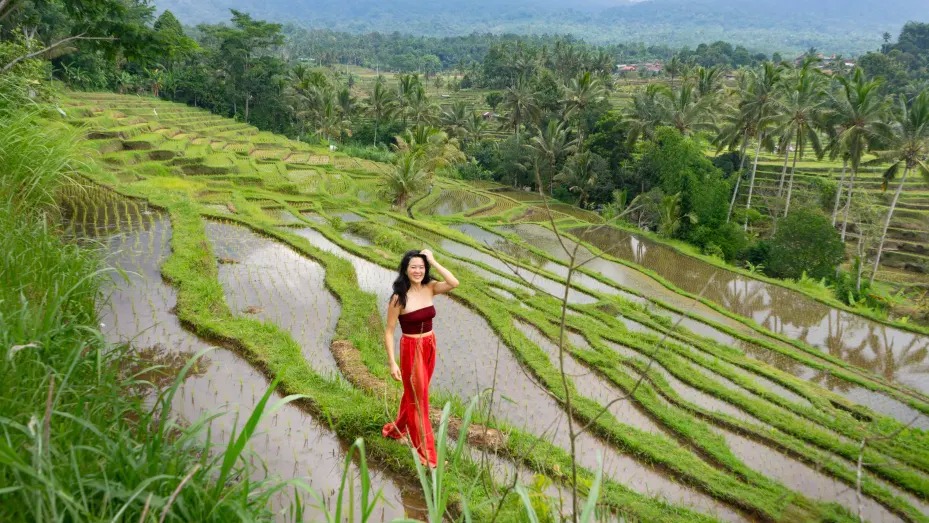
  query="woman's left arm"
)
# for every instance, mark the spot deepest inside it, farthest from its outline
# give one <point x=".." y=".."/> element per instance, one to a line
<point x="440" y="287"/>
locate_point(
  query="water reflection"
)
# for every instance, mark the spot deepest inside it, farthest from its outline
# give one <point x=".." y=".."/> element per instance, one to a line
<point x="472" y="358"/>
<point x="267" y="280"/>
<point x="801" y="477"/>
<point x="290" y="443"/>
<point x="897" y="355"/>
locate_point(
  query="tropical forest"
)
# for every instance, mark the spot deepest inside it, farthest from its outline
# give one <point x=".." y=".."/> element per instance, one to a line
<point x="679" y="252"/>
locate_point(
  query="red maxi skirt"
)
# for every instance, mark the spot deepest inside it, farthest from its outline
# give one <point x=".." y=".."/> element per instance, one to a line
<point x="417" y="362"/>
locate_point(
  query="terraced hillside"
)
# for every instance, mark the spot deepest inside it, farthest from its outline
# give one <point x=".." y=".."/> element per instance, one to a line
<point x="906" y="256"/>
<point x="743" y="400"/>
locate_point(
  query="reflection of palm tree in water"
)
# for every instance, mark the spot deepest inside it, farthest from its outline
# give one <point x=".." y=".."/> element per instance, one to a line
<point x="639" y="249"/>
<point x="835" y="347"/>
<point x="900" y="362"/>
<point x="787" y="309"/>
<point x="742" y="299"/>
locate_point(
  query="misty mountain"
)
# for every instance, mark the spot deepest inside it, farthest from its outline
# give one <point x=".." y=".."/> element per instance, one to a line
<point x="788" y="26"/>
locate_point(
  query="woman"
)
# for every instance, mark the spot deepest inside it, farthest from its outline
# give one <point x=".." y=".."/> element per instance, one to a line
<point x="411" y="305"/>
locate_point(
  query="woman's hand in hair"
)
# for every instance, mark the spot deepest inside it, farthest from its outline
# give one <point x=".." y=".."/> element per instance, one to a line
<point x="429" y="256"/>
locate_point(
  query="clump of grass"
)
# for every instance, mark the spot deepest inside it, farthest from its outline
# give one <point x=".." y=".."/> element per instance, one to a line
<point x="34" y="161"/>
<point x="376" y="154"/>
<point x="75" y="443"/>
<point x="381" y="236"/>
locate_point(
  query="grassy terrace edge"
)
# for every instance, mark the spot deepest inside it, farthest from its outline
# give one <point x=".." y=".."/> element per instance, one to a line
<point x="191" y="268"/>
<point x="529" y="354"/>
<point x="807" y="355"/>
<point x="256" y="221"/>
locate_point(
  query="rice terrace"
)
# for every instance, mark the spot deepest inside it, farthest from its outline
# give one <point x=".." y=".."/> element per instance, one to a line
<point x="193" y="294"/>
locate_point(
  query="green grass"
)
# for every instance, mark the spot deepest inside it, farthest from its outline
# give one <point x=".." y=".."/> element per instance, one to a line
<point x="76" y="441"/>
<point x="694" y="452"/>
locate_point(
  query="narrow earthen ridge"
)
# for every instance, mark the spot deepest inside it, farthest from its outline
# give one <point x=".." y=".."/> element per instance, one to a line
<point x="349" y="362"/>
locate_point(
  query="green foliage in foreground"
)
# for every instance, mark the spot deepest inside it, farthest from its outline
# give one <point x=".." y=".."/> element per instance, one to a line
<point x="75" y="443"/>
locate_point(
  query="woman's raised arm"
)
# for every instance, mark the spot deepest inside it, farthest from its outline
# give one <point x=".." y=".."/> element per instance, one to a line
<point x="440" y="287"/>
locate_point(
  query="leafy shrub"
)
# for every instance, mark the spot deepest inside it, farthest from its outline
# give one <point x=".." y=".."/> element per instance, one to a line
<point x="728" y="163"/>
<point x="381" y="236"/>
<point x="824" y="190"/>
<point x="805" y="242"/>
<point x="337" y="223"/>
<point x="646" y="209"/>
<point x="757" y="255"/>
<point x="376" y="154"/>
<point x="739" y="215"/>
<point x="846" y="291"/>
<point x="711" y="249"/>
<point x="473" y="171"/>
<point x="729" y="238"/>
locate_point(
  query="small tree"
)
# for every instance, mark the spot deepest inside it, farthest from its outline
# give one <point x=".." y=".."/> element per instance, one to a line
<point x="805" y="242"/>
<point x="405" y="180"/>
<point x="493" y="99"/>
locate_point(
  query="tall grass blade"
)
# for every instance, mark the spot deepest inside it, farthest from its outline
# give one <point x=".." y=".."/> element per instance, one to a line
<point x="527" y="504"/>
<point x="590" y="507"/>
<point x="235" y="450"/>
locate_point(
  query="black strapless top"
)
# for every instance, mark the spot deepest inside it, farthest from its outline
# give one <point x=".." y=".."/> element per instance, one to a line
<point x="418" y="321"/>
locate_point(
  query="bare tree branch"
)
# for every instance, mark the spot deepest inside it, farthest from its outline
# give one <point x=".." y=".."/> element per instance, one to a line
<point x="648" y="366"/>
<point x="6" y="8"/>
<point x="59" y="43"/>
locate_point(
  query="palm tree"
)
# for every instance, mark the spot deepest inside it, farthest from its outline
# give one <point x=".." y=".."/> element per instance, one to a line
<point x="582" y="92"/>
<point x="550" y="146"/>
<point x="348" y="104"/>
<point x="333" y="123"/>
<point x="857" y="114"/>
<point x="421" y="110"/>
<point x="646" y="113"/>
<point x="579" y="175"/>
<point x="801" y="114"/>
<point x="909" y="147"/>
<point x="603" y="65"/>
<point x="674" y="67"/>
<point x="474" y="128"/>
<point x="521" y="101"/>
<point x="380" y="104"/>
<point x="708" y="81"/>
<point x="455" y="117"/>
<point x="432" y="147"/>
<point x="406" y="85"/>
<point x="738" y="130"/>
<point x="671" y="217"/>
<point x="404" y="180"/>
<point x="686" y="111"/>
<point x="758" y="102"/>
<point x="308" y="93"/>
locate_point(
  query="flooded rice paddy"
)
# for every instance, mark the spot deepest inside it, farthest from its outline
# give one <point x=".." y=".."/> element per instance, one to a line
<point x="802" y="477"/>
<point x="525" y="276"/>
<point x="455" y="201"/>
<point x="136" y="240"/>
<point x="472" y="358"/>
<point x="545" y="239"/>
<point x="267" y="280"/>
<point x="897" y="355"/>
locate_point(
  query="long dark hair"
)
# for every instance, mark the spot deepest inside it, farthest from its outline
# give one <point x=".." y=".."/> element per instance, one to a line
<point x="402" y="283"/>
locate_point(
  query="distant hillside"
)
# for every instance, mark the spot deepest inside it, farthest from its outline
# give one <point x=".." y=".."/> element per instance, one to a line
<point x="788" y="26"/>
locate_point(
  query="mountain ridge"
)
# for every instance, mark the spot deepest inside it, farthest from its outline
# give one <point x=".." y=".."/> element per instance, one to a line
<point x="832" y="26"/>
